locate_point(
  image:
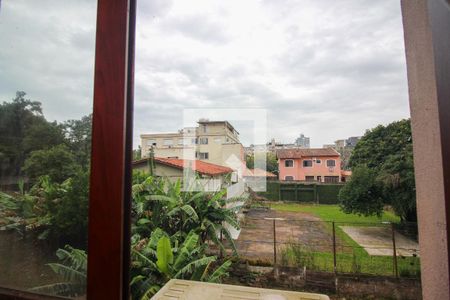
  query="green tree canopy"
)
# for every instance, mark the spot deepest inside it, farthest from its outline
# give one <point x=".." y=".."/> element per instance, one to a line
<point x="57" y="162"/>
<point x="23" y="129"/>
<point x="271" y="162"/>
<point x="78" y="134"/>
<point x="383" y="173"/>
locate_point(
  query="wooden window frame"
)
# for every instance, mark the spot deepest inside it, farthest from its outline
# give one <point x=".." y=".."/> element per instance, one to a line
<point x="332" y="165"/>
<point x="304" y="161"/>
<point x="426" y="27"/>
<point x="293" y="163"/>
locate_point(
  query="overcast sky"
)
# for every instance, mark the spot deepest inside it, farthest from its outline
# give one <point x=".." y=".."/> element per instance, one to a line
<point x="328" y="69"/>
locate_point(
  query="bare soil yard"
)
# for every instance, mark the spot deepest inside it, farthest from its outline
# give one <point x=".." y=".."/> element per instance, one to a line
<point x="256" y="239"/>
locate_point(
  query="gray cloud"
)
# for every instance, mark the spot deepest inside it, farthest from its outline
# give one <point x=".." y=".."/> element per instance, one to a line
<point x="330" y="69"/>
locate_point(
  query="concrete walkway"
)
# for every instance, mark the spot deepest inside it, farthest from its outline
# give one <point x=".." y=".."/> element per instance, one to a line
<point x="378" y="240"/>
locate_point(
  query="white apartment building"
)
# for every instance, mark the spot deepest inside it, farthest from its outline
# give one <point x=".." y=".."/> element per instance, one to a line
<point x="216" y="142"/>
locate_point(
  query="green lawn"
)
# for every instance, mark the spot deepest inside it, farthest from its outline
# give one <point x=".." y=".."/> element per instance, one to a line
<point x="358" y="260"/>
<point x="333" y="213"/>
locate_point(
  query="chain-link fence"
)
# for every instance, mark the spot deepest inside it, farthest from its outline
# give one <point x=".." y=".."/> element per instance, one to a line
<point x="339" y="247"/>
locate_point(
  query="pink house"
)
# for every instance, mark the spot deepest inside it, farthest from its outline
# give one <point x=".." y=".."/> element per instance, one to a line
<point x="320" y="165"/>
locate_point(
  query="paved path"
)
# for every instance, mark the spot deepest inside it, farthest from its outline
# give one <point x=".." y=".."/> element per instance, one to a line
<point x="378" y="240"/>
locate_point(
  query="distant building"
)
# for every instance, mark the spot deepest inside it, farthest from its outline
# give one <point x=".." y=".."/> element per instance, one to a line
<point x="215" y="142"/>
<point x="320" y="165"/>
<point x="271" y="146"/>
<point x="345" y="149"/>
<point x="352" y="141"/>
<point x="333" y="146"/>
<point x="339" y="144"/>
<point x="302" y="141"/>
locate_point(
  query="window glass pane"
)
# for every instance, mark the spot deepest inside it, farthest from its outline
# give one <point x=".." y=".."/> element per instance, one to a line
<point x="289" y="163"/>
<point x="168" y="142"/>
<point x="46" y="88"/>
<point x="268" y="92"/>
<point x="307" y="163"/>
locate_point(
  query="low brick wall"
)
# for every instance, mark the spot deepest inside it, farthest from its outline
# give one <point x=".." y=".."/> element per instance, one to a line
<point x="374" y="287"/>
<point x="348" y="286"/>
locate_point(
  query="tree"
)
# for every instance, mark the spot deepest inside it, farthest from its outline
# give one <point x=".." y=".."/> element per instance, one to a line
<point x="362" y="194"/>
<point x="271" y="162"/>
<point x="17" y="118"/>
<point x="57" y="162"/>
<point x="78" y="134"/>
<point x="383" y="173"/>
<point x="137" y="153"/>
<point x="42" y="135"/>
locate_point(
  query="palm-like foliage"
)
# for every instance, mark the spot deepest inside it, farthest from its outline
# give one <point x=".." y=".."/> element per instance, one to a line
<point x="160" y="203"/>
<point x="29" y="210"/>
<point x="72" y="269"/>
<point x="159" y="259"/>
<point x="49" y="209"/>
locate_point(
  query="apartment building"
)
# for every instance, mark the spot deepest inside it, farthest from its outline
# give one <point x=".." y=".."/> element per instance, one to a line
<point x="303" y="141"/>
<point x="215" y="142"/>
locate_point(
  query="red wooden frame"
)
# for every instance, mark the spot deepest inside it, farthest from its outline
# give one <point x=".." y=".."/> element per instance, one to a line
<point x="110" y="184"/>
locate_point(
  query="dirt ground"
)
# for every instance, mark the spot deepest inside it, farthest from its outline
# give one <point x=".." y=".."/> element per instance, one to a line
<point x="378" y="240"/>
<point x="256" y="238"/>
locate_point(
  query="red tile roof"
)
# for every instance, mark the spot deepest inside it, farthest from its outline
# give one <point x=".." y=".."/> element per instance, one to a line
<point x="258" y="173"/>
<point x="196" y="165"/>
<point x="308" y="152"/>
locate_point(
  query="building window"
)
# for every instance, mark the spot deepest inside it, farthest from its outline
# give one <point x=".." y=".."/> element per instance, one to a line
<point x="168" y="142"/>
<point x="331" y="163"/>
<point x="204" y="141"/>
<point x="331" y="179"/>
<point x="151" y="142"/>
<point x="307" y="163"/>
<point x="289" y="178"/>
<point x="194" y="141"/>
<point x="202" y="155"/>
<point x="318" y="161"/>
<point x="184" y="141"/>
<point x="309" y="178"/>
<point x="289" y="163"/>
<point x="205" y="130"/>
<point x="319" y="178"/>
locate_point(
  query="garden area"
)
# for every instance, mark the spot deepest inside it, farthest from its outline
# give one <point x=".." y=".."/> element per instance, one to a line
<point x="44" y="212"/>
<point x="170" y="231"/>
<point x="304" y="238"/>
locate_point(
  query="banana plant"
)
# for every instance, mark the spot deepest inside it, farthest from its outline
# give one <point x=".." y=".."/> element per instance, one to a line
<point x="158" y="259"/>
<point x="158" y="202"/>
<point x="72" y="270"/>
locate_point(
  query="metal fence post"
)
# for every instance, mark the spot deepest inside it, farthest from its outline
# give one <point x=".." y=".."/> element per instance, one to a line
<point x="275" y="269"/>
<point x="221" y="241"/>
<point x="394" y="254"/>
<point x="334" y="249"/>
